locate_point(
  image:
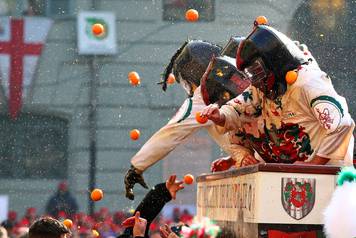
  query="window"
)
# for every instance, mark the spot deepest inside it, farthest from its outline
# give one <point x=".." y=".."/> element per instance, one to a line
<point x="33" y="146"/>
<point x="50" y="8"/>
<point x="58" y="7"/>
<point x="174" y="10"/>
<point x="6" y="7"/>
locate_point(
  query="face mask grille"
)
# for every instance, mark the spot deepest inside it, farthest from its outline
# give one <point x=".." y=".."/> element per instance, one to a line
<point x="257" y="73"/>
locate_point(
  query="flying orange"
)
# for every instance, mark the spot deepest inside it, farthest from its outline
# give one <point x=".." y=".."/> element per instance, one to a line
<point x="135" y="134"/>
<point x="192" y="15"/>
<point x="97" y="194"/>
<point x="68" y="223"/>
<point x="188" y="179"/>
<point x="134" y="78"/>
<point x="171" y="79"/>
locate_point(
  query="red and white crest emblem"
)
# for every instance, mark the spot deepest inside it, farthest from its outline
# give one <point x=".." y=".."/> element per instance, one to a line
<point x="298" y="196"/>
<point x="21" y="43"/>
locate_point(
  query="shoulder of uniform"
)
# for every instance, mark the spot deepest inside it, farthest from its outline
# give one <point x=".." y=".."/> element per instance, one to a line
<point x="310" y="78"/>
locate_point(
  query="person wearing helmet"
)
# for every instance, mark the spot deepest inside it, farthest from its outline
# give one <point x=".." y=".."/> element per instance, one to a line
<point x="232" y="45"/>
<point x="188" y="65"/>
<point x="291" y="112"/>
<point x="221" y="83"/>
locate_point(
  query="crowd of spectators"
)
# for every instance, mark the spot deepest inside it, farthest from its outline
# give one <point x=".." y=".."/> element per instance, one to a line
<point x="108" y="224"/>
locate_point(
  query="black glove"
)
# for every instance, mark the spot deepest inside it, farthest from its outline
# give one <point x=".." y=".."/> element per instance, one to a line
<point x="131" y="178"/>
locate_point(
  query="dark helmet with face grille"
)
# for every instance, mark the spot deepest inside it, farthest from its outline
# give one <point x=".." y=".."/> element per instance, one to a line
<point x="189" y="63"/>
<point x="222" y="81"/>
<point x="267" y="55"/>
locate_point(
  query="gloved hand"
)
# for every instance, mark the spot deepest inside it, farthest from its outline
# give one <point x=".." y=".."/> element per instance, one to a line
<point x="131" y="178"/>
<point x="222" y="164"/>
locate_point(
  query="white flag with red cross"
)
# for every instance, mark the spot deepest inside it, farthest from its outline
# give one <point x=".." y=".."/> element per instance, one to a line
<point x="21" y="44"/>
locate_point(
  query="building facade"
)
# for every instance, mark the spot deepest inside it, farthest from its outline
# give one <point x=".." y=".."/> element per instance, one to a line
<point x="55" y="116"/>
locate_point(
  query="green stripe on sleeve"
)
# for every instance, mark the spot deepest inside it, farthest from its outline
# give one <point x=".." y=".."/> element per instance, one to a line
<point x="329" y="99"/>
<point x="189" y="110"/>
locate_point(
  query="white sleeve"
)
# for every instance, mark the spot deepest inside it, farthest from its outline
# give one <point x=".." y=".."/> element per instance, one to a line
<point x="331" y="112"/>
<point x="243" y="108"/>
<point x="181" y="126"/>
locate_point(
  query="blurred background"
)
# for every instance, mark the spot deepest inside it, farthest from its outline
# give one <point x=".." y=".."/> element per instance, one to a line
<point x="66" y="106"/>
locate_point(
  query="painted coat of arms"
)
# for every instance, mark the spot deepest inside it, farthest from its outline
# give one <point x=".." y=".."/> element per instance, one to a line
<point x="298" y="196"/>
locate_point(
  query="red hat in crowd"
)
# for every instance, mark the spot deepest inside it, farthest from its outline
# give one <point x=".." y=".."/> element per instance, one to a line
<point x="31" y="211"/>
<point x="63" y="186"/>
<point x="12" y="215"/>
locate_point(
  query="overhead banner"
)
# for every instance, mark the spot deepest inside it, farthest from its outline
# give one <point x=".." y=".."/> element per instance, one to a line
<point x="90" y="43"/>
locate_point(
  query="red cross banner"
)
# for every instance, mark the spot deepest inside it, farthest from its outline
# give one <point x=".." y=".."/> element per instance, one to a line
<point x="21" y="44"/>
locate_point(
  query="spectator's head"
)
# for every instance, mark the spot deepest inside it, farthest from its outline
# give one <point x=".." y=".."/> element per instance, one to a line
<point x="31" y="212"/>
<point x="62" y="215"/>
<point x="3" y="232"/>
<point x="47" y="227"/>
<point x="63" y="187"/>
<point x="12" y="216"/>
<point x="118" y="217"/>
<point x="186" y="211"/>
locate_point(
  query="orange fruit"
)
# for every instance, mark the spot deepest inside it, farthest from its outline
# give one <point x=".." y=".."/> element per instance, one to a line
<point x="97" y="194"/>
<point x="291" y="77"/>
<point x="134" y="78"/>
<point x="192" y="15"/>
<point x="134" y="134"/>
<point x="199" y="118"/>
<point x="95" y="233"/>
<point x="261" y="20"/>
<point x="171" y="79"/>
<point x="97" y="29"/>
<point x="188" y="179"/>
<point x="68" y="223"/>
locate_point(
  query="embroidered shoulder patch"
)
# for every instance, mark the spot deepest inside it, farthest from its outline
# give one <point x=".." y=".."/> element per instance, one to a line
<point x="328" y="111"/>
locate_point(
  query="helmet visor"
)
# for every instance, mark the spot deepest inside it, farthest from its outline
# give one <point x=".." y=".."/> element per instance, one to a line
<point x="257" y="73"/>
<point x="222" y="82"/>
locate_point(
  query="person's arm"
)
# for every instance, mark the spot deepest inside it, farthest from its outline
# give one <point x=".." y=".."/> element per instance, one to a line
<point x="140" y="226"/>
<point x="317" y="160"/>
<point x="156" y="198"/>
<point x="180" y="127"/>
<point x="166" y="232"/>
<point x="236" y="112"/>
<point x="331" y="112"/>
